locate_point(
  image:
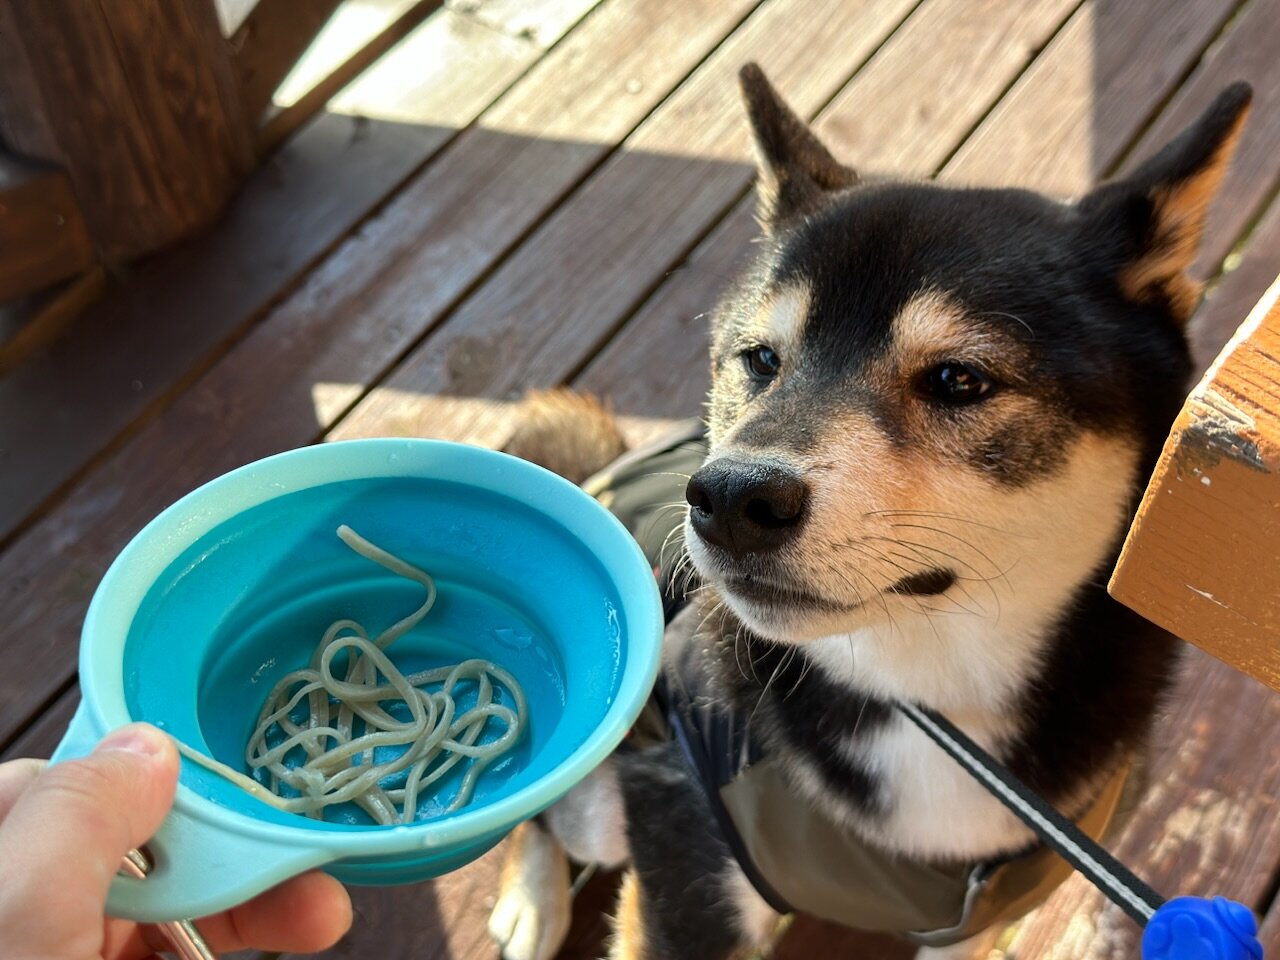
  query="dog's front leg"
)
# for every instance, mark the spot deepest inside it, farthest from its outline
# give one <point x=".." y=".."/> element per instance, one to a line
<point x="684" y="925"/>
<point x="629" y="942"/>
<point x="531" y="916"/>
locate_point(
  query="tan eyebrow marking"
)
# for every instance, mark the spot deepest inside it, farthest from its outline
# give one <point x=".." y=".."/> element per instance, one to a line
<point x="780" y="321"/>
<point x="931" y="325"/>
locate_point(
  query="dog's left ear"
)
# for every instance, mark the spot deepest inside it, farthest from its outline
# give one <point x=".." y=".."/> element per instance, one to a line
<point x="795" y="169"/>
<point x="1154" y="218"/>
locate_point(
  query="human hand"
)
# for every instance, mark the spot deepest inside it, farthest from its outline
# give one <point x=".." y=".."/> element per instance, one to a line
<point x="64" y="831"/>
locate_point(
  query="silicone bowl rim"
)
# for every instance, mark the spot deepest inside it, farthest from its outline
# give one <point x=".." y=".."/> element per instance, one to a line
<point x="228" y="495"/>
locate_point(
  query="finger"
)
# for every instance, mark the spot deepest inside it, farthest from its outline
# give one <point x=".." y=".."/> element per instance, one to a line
<point x="15" y="777"/>
<point x="306" y="914"/>
<point x="66" y="835"/>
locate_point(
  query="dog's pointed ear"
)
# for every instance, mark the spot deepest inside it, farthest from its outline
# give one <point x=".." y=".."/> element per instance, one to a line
<point x="795" y="169"/>
<point x="1157" y="214"/>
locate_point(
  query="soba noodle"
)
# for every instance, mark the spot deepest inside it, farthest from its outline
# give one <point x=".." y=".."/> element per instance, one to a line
<point x="347" y="721"/>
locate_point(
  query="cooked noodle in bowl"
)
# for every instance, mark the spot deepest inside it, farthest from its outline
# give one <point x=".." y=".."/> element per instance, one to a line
<point x="336" y="726"/>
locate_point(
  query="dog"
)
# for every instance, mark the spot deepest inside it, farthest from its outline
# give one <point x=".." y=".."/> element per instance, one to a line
<point x="933" y="412"/>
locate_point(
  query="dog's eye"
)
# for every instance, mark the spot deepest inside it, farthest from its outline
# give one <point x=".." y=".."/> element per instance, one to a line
<point x="955" y="382"/>
<point x="762" y="363"/>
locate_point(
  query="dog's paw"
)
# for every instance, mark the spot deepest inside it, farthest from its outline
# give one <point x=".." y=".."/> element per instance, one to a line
<point x="529" y="924"/>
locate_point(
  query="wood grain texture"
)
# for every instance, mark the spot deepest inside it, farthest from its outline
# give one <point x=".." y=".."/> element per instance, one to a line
<point x="43" y="237"/>
<point x="810" y="939"/>
<point x="281" y="124"/>
<point x="41" y="737"/>
<point x="269" y="42"/>
<point x="1064" y="123"/>
<point x="900" y="119"/>
<point x="1251" y="271"/>
<point x="30" y="324"/>
<point x="1203" y="556"/>
<point x="60" y="409"/>
<point x="243" y="408"/>
<point x="1246" y="51"/>
<point x="446" y="919"/>
<point x="514" y="18"/>
<point x="558" y="298"/>
<point x="353" y="24"/>
<point x="138" y="104"/>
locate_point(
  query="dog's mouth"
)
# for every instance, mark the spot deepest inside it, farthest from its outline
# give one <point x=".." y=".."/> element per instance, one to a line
<point x="773" y="594"/>
<point x="780" y="594"/>
<point x="926" y="583"/>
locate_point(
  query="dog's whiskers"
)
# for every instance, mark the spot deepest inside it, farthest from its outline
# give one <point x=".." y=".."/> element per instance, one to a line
<point x="938" y="515"/>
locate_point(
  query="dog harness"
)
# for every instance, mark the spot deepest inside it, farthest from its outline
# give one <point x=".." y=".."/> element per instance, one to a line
<point x="795" y="856"/>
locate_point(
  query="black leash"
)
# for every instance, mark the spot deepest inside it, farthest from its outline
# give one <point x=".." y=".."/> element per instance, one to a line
<point x="1104" y="871"/>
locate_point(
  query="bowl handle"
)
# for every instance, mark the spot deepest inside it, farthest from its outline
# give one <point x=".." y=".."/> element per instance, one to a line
<point x="198" y="868"/>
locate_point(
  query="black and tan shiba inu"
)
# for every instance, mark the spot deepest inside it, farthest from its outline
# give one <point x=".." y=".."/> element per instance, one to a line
<point x="932" y="413"/>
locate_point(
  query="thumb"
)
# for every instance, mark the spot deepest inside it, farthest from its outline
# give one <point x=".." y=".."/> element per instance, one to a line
<point x="65" y="837"/>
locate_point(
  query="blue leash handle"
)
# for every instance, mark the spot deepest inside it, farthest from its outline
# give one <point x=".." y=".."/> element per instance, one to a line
<point x="1185" y="928"/>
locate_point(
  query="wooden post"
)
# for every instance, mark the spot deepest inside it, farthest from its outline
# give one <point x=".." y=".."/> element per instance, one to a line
<point x="1203" y="556"/>
<point x="137" y="100"/>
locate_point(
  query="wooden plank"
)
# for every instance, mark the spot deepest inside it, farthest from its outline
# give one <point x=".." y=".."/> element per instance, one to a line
<point x="271" y="40"/>
<point x="284" y="122"/>
<point x="41" y="737"/>
<point x="1245" y="52"/>
<point x="512" y="16"/>
<point x="60" y="409"/>
<point x="1251" y="272"/>
<point x="893" y="117"/>
<point x="1209" y="825"/>
<point x="807" y="938"/>
<point x="1203" y="556"/>
<point x="353" y="24"/>
<point x="1064" y="123"/>
<point x="446" y="919"/>
<point x="560" y="296"/>
<point x="673" y="320"/>
<point x="30" y="324"/>
<point x="259" y="398"/>
<point x="43" y="237"/>
<point x="137" y="102"/>
<point x="900" y="120"/>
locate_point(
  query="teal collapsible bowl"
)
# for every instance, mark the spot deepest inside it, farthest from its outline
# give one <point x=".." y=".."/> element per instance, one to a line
<point x="232" y="586"/>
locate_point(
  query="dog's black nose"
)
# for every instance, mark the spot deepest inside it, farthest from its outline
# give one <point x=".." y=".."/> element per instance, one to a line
<point x="746" y="507"/>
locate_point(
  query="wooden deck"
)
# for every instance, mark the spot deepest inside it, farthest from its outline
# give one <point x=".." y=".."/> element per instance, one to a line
<point x="523" y="194"/>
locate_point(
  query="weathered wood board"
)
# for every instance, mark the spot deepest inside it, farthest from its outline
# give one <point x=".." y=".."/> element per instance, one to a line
<point x="1203" y="556"/>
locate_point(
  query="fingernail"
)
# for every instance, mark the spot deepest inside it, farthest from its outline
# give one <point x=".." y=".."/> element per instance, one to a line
<point x="136" y="738"/>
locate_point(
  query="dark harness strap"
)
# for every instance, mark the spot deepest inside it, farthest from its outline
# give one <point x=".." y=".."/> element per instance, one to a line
<point x="716" y="747"/>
